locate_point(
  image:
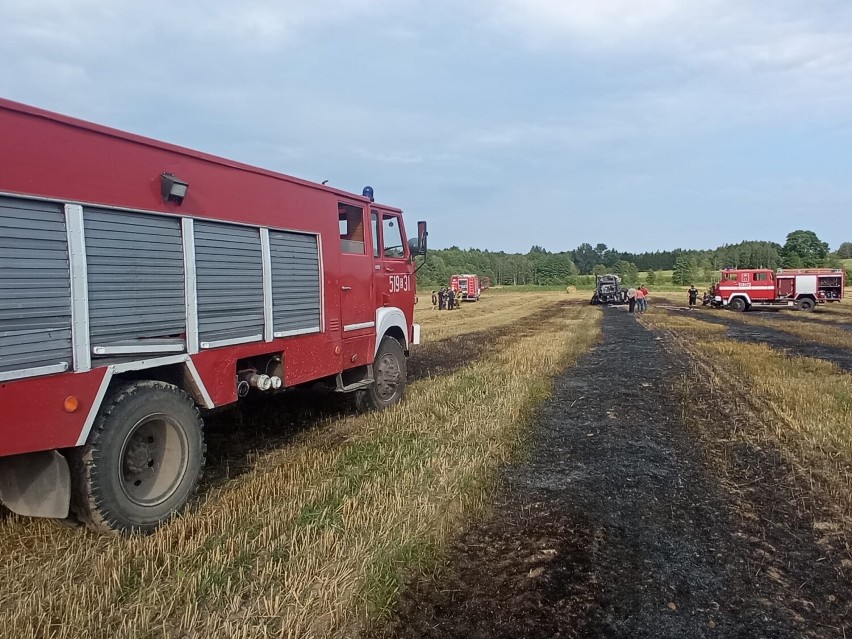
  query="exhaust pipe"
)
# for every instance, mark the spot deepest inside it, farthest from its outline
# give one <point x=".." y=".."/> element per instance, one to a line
<point x="277" y="382"/>
<point x="243" y="388"/>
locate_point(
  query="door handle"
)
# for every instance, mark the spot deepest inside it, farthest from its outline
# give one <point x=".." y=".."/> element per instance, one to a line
<point x="345" y="288"/>
<point x="389" y="269"/>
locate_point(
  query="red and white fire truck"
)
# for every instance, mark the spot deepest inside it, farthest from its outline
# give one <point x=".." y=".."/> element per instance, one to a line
<point x="742" y="289"/>
<point x="468" y="285"/>
<point x="143" y="284"/>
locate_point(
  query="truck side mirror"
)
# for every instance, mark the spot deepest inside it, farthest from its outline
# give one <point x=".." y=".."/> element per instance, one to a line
<point x="417" y="245"/>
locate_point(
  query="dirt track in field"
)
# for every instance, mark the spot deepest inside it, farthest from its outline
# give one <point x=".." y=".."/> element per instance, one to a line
<point x="791" y="344"/>
<point x="623" y="523"/>
<point x="797" y="316"/>
<point x="237" y="435"/>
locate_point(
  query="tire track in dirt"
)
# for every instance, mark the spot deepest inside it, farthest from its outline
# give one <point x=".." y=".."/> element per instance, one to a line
<point x="453" y="353"/>
<point x="238" y="434"/>
<point x="617" y="526"/>
<point x="798" y="316"/>
<point x="791" y="344"/>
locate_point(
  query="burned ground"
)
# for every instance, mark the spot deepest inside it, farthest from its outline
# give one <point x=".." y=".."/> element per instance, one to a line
<point x="791" y="344"/>
<point x="623" y="523"/>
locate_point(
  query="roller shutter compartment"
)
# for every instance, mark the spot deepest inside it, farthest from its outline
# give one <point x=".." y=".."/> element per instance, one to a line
<point x="35" y="287"/>
<point x="229" y="275"/>
<point x="136" y="280"/>
<point x="295" y="282"/>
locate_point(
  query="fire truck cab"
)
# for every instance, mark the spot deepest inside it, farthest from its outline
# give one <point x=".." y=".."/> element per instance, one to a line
<point x="142" y="284"/>
<point x="803" y="289"/>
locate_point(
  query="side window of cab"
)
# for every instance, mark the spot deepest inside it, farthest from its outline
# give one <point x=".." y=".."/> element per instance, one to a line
<point x="351" y="225"/>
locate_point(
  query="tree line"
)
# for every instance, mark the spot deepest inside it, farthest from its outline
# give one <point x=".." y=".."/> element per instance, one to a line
<point x="540" y="267"/>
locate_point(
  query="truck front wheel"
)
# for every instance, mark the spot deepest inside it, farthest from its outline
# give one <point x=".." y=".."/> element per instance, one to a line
<point x="738" y="304"/>
<point x="142" y="461"/>
<point x="389" y="372"/>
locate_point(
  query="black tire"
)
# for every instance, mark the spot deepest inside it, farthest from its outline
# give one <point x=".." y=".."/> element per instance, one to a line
<point x="738" y="304"/>
<point x="126" y="479"/>
<point x="389" y="369"/>
<point x="806" y="304"/>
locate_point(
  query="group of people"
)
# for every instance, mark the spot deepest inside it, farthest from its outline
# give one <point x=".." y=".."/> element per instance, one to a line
<point x="637" y="299"/>
<point x="446" y="299"/>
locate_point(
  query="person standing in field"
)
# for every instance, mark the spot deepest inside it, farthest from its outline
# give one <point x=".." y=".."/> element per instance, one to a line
<point x="644" y="290"/>
<point x="434" y="300"/>
<point x="442" y="299"/>
<point x="693" y="296"/>
<point x="631" y="299"/>
<point x="640" y="301"/>
<point x="451" y="299"/>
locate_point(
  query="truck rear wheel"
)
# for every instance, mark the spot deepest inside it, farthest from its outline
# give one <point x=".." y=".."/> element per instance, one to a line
<point x="389" y="370"/>
<point x="738" y="304"/>
<point x="806" y="304"/>
<point x="142" y="461"/>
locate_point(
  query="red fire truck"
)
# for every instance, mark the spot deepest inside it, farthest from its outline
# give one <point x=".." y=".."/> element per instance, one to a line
<point x="468" y="285"/>
<point x="143" y="284"/>
<point x="742" y="289"/>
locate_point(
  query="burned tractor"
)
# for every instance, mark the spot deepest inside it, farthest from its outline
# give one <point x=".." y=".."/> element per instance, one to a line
<point x="608" y="290"/>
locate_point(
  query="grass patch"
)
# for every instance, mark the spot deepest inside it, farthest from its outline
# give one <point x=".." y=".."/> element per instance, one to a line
<point x="802" y="405"/>
<point x="315" y="539"/>
<point x="493" y="310"/>
<point x="822" y="333"/>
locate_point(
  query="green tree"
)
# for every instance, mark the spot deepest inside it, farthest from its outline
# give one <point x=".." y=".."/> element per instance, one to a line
<point x="627" y="271"/>
<point x="585" y="257"/>
<point x="844" y="252"/>
<point x="685" y="270"/>
<point x="804" y="248"/>
<point x="651" y="277"/>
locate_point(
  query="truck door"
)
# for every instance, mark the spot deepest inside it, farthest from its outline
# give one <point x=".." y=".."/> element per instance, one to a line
<point x="394" y="284"/>
<point x="357" y="310"/>
<point x="785" y="286"/>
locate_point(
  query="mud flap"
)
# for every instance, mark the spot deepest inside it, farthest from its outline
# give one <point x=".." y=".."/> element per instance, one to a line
<point x="36" y="484"/>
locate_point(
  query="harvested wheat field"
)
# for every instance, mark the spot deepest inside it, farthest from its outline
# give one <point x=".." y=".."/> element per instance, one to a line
<point x="557" y="470"/>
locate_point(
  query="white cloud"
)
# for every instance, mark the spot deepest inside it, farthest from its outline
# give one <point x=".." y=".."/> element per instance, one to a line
<point x="99" y="25"/>
<point x="598" y="22"/>
<point x="807" y="41"/>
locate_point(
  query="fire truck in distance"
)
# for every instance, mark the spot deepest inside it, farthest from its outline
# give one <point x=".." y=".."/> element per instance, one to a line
<point x="468" y="285"/>
<point x="803" y="289"/>
<point x="144" y="284"/>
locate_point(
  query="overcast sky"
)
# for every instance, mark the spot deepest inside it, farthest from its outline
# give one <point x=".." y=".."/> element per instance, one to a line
<point x="645" y="125"/>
